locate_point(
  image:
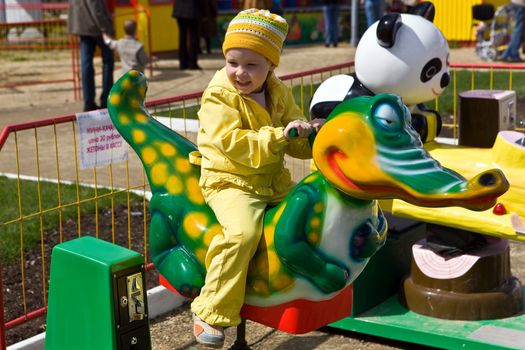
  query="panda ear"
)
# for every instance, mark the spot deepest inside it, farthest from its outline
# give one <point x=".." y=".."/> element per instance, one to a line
<point x="387" y="29"/>
<point x="424" y="9"/>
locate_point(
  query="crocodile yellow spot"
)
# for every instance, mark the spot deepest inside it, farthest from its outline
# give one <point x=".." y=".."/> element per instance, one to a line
<point x="159" y="174"/>
<point x="149" y="155"/>
<point x="318" y="207"/>
<point x="142" y="91"/>
<point x="200" y="254"/>
<point x="268" y="234"/>
<point x="134" y="103"/>
<point x="281" y="282"/>
<point x="273" y="263"/>
<point x="123" y="118"/>
<point x="278" y="213"/>
<point x="194" y="223"/>
<point x="260" y="287"/>
<point x="174" y="185"/>
<point x="114" y="99"/>
<point x="141" y="118"/>
<point x="126" y="84"/>
<point x="138" y="136"/>
<point x="212" y="232"/>
<point x="309" y="180"/>
<point x="167" y="150"/>
<point x="313" y="237"/>
<point x="315" y="222"/>
<point x="134" y="73"/>
<point x="182" y="165"/>
<point x="194" y="191"/>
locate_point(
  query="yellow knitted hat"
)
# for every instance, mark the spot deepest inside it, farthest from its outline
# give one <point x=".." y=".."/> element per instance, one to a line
<point x="257" y="30"/>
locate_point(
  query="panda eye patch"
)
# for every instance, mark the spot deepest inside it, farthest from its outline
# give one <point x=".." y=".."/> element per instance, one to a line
<point x="431" y="69"/>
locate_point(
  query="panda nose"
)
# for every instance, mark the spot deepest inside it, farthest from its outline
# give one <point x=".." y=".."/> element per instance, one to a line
<point x="445" y="79"/>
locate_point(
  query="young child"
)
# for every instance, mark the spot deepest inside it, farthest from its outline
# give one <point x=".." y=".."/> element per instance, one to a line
<point x="131" y="51"/>
<point x="245" y="120"/>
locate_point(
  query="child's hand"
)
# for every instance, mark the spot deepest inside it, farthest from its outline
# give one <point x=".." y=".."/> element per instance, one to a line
<point x="317" y="123"/>
<point x="303" y="129"/>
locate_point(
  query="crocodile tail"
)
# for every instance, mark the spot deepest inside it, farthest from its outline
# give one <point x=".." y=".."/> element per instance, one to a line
<point x="163" y="152"/>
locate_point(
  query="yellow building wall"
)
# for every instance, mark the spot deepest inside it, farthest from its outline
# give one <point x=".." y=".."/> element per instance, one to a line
<point x="454" y="18"/>
<point x="164" y="29"/>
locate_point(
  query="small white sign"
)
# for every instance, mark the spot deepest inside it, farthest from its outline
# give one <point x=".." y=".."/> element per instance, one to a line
<point x="100" y="142"/>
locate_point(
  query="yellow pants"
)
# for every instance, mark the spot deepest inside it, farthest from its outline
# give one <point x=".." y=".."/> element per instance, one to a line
<point x="240" y="214"/>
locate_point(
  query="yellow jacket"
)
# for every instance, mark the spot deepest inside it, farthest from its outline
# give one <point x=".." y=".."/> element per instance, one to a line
<point x="243" y="144"/>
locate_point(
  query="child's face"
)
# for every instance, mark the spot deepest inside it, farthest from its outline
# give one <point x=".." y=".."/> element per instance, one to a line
<point x="247" y="70"/>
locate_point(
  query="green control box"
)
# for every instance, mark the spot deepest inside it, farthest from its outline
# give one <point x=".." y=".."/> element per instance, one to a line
<point x="97" y="297"/>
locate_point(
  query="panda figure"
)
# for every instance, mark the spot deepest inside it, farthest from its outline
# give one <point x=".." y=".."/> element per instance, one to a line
<point x="402" y="54"/>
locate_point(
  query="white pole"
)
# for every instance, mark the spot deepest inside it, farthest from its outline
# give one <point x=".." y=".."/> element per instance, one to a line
<point x="354" y="19"/>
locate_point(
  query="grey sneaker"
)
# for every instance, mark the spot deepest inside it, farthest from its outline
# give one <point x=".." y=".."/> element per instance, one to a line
<point x="212" y="336"/>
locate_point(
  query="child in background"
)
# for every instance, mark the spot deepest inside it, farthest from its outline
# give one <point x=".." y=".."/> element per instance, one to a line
<point x="245" y="120"/>
<point x="131" y="51"/>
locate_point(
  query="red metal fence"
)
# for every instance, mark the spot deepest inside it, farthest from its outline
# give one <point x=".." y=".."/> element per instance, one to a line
<point x="31" y="31"/>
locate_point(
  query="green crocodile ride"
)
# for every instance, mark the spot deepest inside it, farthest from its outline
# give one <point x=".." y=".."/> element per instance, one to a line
<point x="321" y="236"/>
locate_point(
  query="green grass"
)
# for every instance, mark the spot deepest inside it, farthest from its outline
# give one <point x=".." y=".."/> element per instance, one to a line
<point x="9" y="210"/>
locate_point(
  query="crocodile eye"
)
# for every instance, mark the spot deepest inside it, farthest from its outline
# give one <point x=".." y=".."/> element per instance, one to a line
<point x="387" y="117"/>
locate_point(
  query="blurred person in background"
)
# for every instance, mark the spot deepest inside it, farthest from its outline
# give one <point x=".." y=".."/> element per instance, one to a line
<point x="208" y="26"/>
<point x="130" y="49"/>
<point x="189" y="14"/>
<point x="331" y="22"/>
<point x="89" y="19"/>
<point x="374" y="10"/>
<point x="512" y="52"/>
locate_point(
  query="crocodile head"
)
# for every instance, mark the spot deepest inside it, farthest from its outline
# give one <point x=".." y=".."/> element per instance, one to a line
<point x="368" y="149"/>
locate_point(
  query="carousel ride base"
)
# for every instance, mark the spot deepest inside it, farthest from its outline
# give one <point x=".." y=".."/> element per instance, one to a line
<point x="379" y="305"/>
<point x="392" y="320"/>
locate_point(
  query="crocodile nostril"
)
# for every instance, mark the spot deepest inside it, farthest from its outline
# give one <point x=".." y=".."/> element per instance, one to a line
<point x="487" y="180"/>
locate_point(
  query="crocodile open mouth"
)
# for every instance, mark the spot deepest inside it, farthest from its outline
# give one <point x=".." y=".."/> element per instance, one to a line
<point x="472" y="200"/>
